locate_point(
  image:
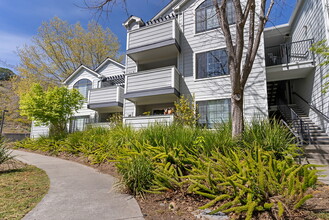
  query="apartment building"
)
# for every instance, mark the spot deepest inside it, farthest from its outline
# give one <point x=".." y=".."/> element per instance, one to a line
<point x="181" y="51"/>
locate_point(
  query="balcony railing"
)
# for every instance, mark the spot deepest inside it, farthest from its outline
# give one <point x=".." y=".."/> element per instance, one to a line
<point x="153" y="81"/>
<point x="106" y="97"/>
<point x="298" y="51"/>
<point x="144" y="121"/>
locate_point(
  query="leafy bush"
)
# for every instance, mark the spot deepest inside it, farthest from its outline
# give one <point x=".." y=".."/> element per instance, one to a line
<point x="5" y="153"/>
<point x="185" y="112"/>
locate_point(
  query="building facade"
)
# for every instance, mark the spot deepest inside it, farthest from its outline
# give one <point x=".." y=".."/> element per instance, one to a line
<point x="181" y="51"/>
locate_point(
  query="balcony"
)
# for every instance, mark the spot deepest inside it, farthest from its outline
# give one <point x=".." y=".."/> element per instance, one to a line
<point x="154" y="42"/>
<point x="289" y="61"/>
<point x="153" y="86"/>
<point x="144" y="121"/>
<point x="106" y="99"/>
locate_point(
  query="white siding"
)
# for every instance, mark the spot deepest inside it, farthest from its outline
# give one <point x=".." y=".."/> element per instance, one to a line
<point x="310" y="23"/>
<point x="131" y="66"/>
<point x="144" y="121"/>
<point x="110" y="69"/>
<point x="38" y="131"/>
<point x="128" y="109"/>
<point x="217" y="87"/>
<point x="84" y="74"/>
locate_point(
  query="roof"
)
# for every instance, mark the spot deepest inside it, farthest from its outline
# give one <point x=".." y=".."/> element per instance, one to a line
<point x="286" y="27"/>
<point x="162" y="19"/>
<point x="78" y="70"/>
<point x="109" y="60"/>
<point x="169" y="6"/>
<point x="131" y="19"/>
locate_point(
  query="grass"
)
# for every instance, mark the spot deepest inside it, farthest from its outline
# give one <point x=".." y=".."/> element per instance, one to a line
<point x="21" y="190"/>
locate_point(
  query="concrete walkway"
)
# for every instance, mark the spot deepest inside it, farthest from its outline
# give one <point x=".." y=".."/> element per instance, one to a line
<point x="78" y="192"/>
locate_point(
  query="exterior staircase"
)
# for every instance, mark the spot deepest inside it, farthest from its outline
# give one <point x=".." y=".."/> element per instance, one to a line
<point x="317" y="148"/>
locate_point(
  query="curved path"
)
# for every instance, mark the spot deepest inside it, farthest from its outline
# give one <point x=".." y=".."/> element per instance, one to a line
<point x="78" y="192"/>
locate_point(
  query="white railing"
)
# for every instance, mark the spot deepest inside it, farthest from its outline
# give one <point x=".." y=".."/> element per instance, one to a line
<point x="144" y="121"/>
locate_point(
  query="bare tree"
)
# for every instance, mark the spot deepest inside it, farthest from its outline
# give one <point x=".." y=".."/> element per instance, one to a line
<point x="250" y="19"/>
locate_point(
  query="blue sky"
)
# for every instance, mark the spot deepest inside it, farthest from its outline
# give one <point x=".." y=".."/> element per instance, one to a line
<point x="20" y="19"/>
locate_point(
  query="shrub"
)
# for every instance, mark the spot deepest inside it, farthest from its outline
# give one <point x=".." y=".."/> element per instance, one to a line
<point x="271" y="136"/>
<point x="185" y="112"/>
<point x="250" y="181"/>
<point x="5" y="153"/>
<point x="136" y="174"/>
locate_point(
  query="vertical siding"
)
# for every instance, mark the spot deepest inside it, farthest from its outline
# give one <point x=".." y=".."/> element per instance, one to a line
<point x="311" y="23"/>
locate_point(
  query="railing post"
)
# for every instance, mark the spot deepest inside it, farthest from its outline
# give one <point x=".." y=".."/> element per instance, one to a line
<point x="313" y="54"/>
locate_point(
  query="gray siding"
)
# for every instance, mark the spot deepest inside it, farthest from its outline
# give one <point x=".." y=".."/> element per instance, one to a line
<point x="312" y="22"/>
<point x="192" y="43"/>
<point x="152" y="79"/>
<point x="107" y="94"/>
<point x="153" y="34"/>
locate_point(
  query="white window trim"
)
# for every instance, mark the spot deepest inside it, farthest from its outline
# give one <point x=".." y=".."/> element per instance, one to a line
<point x="194" y="22"/>
<point x="194" y="65"/>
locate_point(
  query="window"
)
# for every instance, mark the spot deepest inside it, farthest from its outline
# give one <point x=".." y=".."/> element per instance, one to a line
<point x="83" y="85"/>
<point x="211" y="63"/>
<point x="206" y="18"/>
<point x="79" y="123"/>
<point x="214" y="112"/>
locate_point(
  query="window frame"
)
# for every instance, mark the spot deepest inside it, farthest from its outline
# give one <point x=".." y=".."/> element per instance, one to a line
<point x="209" y="124"/>
<point x="204" y="9"/>
<point x="196" y="64"/>
<point x="89" y="82"/>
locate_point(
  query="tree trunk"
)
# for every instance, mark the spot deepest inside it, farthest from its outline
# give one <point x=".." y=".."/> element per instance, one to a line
<point x="237" y="114"/>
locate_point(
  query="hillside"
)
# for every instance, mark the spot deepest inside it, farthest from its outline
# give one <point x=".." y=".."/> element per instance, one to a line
<point x="14" y="123"/>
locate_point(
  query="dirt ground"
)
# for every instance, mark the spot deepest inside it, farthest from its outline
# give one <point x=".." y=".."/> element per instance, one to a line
<point x="176" y="205"/>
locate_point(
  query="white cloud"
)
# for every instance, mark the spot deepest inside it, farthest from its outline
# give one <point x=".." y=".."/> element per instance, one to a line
<point x="9" y="42"/>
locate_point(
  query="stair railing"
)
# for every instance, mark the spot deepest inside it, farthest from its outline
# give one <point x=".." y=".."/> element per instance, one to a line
<point x="300" y="128"/>
<point x="322" y="115"/>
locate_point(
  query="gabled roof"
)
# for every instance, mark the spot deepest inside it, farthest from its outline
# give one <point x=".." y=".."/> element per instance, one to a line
<point x="133" y="19"/>
<point x="109" y="60"/>
<point x="78" y="70"/>
<point x="169" y="6"/>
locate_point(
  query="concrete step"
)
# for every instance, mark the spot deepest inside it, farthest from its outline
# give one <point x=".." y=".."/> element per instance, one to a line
<point x="318" y="159"/>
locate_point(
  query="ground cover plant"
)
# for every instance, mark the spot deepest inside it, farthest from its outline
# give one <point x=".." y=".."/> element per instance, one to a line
<point x="253" y="174"/>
